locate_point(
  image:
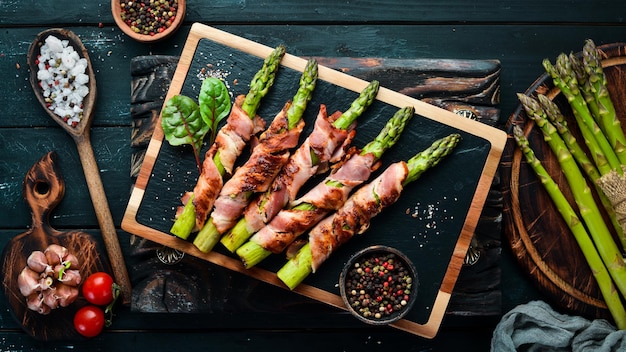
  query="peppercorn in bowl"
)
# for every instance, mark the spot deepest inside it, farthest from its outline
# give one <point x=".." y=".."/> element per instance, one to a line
<point x="148" y="20"/>
<point x="379" y="285"/>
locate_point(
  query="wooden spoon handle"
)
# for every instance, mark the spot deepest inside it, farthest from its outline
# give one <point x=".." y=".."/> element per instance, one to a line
<point x="103" y="213"/>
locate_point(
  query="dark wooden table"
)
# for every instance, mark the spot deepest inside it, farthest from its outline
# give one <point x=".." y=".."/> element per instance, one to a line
<point x="518" y="35"/>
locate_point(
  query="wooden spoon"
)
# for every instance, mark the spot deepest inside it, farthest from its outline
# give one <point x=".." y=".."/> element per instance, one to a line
<point x="80" y="134"/>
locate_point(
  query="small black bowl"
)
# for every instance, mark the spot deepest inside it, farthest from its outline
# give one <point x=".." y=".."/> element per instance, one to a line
<point x="369" y="285"/>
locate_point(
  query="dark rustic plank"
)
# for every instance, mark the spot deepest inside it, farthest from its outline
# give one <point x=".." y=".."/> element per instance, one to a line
<point x="21" y="148"/>
<point x="302" y="11"/>
<point x="259" y="340"/>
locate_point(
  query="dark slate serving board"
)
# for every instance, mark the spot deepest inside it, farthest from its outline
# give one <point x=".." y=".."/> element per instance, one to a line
<point x="432" y="222"/>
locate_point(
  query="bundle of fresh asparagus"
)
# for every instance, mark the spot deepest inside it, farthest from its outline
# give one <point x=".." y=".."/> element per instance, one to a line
<point x="583" y="83"/>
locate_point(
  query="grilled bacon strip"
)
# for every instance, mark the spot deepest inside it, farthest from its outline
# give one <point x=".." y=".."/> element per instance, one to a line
<point x="324" y="198"/>
<point x="326" y="142"/>
<point x="355" y="215"/>
<point x="257" y="174"/>
<point x="229" y="144"/>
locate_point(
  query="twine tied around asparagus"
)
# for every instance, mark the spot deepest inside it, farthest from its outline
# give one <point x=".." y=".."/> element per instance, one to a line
<point x="613" y="185"/>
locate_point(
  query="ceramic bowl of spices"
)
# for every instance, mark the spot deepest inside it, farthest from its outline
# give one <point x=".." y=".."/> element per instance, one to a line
<point x="148" y="20"/>
<point x="378" y="285"/>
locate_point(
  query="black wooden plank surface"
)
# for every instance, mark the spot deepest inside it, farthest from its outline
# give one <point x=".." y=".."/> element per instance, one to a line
<point x="21" y="148"/>
<point x="348" y="12"/>
<point x="518" y="34"/>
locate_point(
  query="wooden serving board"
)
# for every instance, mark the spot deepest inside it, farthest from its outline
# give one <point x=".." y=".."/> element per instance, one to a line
<point x="44" y="188"/>
<point x="539" y="237"/>
<point x="436" y="215"/>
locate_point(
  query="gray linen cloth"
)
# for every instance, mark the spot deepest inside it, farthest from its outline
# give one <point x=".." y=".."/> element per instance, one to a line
<point x="535" y="326"/>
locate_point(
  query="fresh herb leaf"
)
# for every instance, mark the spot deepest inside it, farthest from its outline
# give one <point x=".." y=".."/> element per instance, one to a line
<point x="182" y="124"/>
<point x="214" y="102"/>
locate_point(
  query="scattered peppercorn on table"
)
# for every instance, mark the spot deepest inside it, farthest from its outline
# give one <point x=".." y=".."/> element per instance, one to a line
<point x="419" y="48"/>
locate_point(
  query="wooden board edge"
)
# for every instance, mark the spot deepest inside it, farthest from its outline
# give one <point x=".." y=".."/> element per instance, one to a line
<point x="471" y="222"/>
<point x="429" y="329"/>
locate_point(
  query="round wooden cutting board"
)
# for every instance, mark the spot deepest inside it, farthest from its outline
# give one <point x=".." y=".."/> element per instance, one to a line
<point x="43" y="190"/>
<point x="538" y="236"/>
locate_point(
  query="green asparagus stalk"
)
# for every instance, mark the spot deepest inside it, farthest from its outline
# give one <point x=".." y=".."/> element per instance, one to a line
<point x="259" y="86"/>
<point x="241" y="232"/>
<point x="599" y="270"/>
<point x="589" y="211"/>
<point x="555" y="116"/>
<point x="297" y="268"/>
<point x="209" y="235"/>
<point x="359" y="105"/>
<point x="565" y="80"/>
<point x="597" y="87"/>
<point x="251" y="253"/>
<point x="262" y="81"/>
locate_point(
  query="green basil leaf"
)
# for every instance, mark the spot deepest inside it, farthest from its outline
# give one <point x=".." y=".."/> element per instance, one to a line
<point x="214" y="102"/>
<point x="182" y="123"/>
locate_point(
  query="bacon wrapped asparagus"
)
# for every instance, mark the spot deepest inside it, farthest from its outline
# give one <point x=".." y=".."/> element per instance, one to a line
<point x="327" y="143"/>
<point x="355" y="215"/>
<point x="230" y="141"/>
<point x="267" y="159"/>
<point x="327" y="196"/>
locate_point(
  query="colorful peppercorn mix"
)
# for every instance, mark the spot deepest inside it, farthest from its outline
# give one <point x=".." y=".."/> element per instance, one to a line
<point x="378" y="286"/>
<point x="148" y="17"/>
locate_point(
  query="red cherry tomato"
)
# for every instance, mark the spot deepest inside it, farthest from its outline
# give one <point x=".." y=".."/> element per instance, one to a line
<point x="89" y="321"/>
<point x="98" y="289"/>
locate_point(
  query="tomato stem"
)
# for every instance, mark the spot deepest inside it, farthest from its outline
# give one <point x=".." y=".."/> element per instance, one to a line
<point x="108" y="311"/>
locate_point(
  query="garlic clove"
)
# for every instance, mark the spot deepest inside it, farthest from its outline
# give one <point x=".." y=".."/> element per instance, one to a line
<point x="38" y="262"/>
<point x="55" y="254"/>
<point x="72" y="260"/>
<point x="28" y="281"/>
<point x="49" y="298"/>
<point x="65" y="294"/>
<point x="70" y="277"/>
<point x="46" y="282"/>
<point x="34" y="301"/>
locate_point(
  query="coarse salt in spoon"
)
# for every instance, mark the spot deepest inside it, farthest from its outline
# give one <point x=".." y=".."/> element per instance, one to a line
<point x="79" y="130"/>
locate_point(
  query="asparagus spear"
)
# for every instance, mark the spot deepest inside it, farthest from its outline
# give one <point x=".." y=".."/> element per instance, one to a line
<point x="586" y="203"/>
<point x="259" y="86"/>
<point x="301" y="265"/>
<point x="597" y="86"/>
<point x="252" y="253"/>
<point x="209" y="235"/>
<point x="599" y="270"/>
<point x="564" y="78"/>
<point x="262" y="81"/>
<point x="585" y="88"/>
<point x="242" y="231"/>
<point x="552" y="112"/>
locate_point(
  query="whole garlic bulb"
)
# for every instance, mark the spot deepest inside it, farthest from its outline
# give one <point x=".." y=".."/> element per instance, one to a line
<point x="49" y="280"/>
